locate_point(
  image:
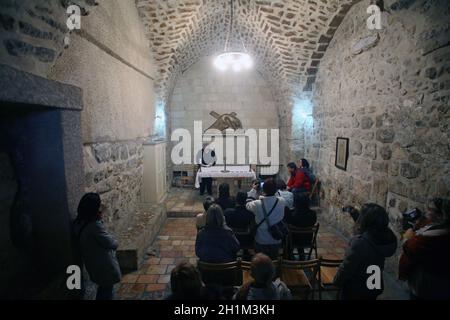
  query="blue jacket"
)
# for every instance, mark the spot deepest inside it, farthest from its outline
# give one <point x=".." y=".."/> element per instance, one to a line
<point x="216" y="245"/>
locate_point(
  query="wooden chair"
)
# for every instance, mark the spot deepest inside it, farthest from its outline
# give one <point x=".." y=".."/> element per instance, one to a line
<point x="305" y="232"/>
<point x="224" y="274"/>
<point x="328" y="270"/>
<point x="300" y="276"/>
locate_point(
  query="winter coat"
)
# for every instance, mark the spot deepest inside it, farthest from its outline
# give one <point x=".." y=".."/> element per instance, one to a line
<point x="364" y="250"/>
<point x="425" y="263"/>
<point x="301" y="219"/>
<point x="240" y="218"/>
<point x="216" y="245"/>
<point x="97" y="248"/>
<point x="299" y="181"/>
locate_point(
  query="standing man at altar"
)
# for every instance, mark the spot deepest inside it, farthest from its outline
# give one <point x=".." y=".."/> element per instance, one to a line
<point x="206" y="158"/>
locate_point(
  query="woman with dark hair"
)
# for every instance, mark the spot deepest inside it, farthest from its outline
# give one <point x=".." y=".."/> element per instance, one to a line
<point x="224" y="200"/>
<point x="216" y="243"/>
<point x="97" y="247"/>
<point x="425" y="262"/>
<point x="372" y="244"/>
<point x="304" y="166"/>
<point x="239" y="218"/>
<point x="186" y="283"/>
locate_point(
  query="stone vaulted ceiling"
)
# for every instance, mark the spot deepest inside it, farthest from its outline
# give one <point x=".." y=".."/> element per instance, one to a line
<point x="286" y="38"/>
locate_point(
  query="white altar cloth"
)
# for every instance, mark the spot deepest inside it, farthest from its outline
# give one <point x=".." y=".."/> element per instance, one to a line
<point x="216" y="172"/>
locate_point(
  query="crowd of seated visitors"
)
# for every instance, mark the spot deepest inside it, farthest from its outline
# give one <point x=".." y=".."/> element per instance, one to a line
<point x="423" y="263"/>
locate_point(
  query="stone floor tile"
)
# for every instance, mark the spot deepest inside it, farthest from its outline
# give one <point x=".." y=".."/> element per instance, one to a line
<point x="147" y="278"/>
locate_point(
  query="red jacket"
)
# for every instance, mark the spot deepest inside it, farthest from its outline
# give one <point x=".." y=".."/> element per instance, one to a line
<point x="299" y="180"/>
<point x="428" y="252"/>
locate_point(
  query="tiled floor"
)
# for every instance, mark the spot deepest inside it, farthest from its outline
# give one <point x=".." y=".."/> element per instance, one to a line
<point x="184" y="200"/>
<point x="176" y="242"/>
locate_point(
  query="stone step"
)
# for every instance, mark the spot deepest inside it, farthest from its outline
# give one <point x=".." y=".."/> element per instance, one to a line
<point x="139" y="235"/>
<point x="182" y="214"/>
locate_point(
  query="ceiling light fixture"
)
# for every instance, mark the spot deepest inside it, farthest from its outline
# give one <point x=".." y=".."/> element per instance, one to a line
<point x="229" y="59"/>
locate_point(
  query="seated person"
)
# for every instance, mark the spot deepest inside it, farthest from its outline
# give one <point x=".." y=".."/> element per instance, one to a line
<point x="298" y="181"/>
<point x="186" y="283"/>
<point x="373" y="242"/>
<point x="286" y="195"/>
<point x="263" y="286"/>
<point x="425" y="262"/>
<point x="225" y="201"/>
<point x="275" y="206"/>
<point x="255" y="192"/>
<point x="201" y="217"/>
<point x="216" y="242"/>
<point x="301" y="217"/>
<point x="240" y="218"/>
<point x="304" y="166"/>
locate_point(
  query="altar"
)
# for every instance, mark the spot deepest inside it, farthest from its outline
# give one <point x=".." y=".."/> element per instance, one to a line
<point x="233" y="174"/>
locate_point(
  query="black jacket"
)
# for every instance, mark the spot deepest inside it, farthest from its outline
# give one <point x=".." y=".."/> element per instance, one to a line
<point x="301" y="219"/>
<point x="225" y="203"/>
<point x="240" y="218"/>
<point x="363" y="251"/>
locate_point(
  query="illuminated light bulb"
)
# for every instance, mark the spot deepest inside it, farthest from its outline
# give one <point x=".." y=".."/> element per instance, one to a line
<point x="237" y="66"/>
<point x="237" y="61"/>
<point x="247" y="62"/>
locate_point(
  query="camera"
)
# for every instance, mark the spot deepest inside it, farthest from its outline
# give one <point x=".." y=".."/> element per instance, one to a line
<point x="354" y="213"/>
<point x="410" y="218"/>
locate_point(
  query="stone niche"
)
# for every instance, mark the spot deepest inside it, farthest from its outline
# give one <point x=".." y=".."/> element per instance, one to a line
<point x="40" y="165"/>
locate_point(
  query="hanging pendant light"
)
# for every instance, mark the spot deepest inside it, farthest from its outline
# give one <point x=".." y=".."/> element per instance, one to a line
<point x="234" y="60"/>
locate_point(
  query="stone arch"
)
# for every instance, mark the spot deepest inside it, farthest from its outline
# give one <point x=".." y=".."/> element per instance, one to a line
<point x="287" y="37"/>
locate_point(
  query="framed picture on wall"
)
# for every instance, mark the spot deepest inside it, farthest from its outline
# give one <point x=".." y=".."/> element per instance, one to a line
<point x="342" y="153"/>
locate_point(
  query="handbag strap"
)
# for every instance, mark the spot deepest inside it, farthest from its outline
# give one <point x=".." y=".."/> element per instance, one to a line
<point x="266" y="215"/>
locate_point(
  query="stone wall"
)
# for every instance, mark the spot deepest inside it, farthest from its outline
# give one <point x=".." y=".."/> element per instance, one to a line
<point x="32" y="32"/>
<point x="111" y="61"/>
<point x="388" y="91"/>
<point x="114" y="170"/>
